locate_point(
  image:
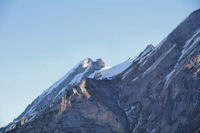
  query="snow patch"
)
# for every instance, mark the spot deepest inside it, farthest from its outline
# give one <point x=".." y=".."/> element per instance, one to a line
<point x="176" y="91"/>
<point x="147" y="50"/>
<point x="145" y="53"/>
<point x="32" y="118"/>
<point x="48" y="91"/>
<point x="109" y="73"/>
<point x="153" y="131"/>
<point x="157" y="62"/>
<point x="189" y="41"/>
<point x="60" y="92"/>
<point x="190" y="44"/>
<point x="134" y="79"/>
<point x="79" y="77"/>
<point x="125" y="74"/>
<point x="168" y="77"/>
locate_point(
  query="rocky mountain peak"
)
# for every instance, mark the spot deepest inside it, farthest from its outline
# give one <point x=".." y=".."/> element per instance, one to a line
<point x="86" y="62"/>
<point x="147" y="50"/>
<point x="158" y="92"/>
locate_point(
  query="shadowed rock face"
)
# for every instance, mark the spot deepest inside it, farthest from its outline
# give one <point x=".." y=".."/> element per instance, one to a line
<point x="166" y="86"/>
<point x="158" y="93"/>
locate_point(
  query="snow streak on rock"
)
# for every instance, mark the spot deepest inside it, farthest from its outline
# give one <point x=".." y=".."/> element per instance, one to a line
<point x="111" y="72"/>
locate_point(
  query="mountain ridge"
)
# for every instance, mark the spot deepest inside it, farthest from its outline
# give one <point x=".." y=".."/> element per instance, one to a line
<point x="157" y="92"/>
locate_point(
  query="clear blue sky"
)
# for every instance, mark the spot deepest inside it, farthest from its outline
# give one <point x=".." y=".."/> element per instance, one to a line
<point x="41" y="40"/>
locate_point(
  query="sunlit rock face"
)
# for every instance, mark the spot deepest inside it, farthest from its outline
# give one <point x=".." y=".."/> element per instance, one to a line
<point x="157" y="92"/>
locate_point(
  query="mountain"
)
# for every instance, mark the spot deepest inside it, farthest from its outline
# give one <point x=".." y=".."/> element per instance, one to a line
<point x="157" y="92"/>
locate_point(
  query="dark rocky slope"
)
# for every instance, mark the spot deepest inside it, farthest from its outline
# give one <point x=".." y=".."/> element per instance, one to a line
<point x="159" y="92"/>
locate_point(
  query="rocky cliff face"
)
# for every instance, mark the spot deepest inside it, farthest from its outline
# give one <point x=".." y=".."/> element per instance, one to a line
<point x="158" y="92"/>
